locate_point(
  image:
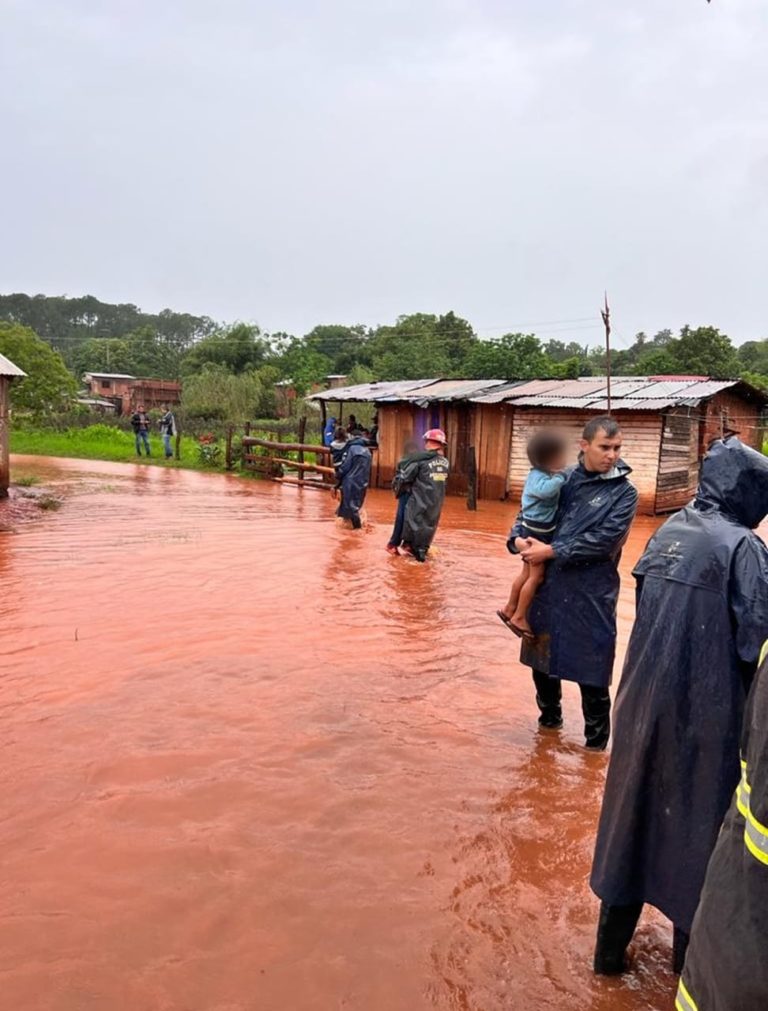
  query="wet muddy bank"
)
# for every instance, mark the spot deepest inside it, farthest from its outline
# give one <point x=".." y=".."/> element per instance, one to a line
<point x="250" y="761"/>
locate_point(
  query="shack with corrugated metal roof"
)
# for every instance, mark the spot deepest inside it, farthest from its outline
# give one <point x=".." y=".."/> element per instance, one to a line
<point x="667" y="422"/>
<point x="8" y="374"/>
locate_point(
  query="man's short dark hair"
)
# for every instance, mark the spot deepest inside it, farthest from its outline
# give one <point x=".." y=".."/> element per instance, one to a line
<point x="543" y="447"/>
<point x="339" y="434"/>
<point x="603" y="423"/>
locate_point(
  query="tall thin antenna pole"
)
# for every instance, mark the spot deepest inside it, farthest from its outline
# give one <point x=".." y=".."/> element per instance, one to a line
<point x="606" y="314"/>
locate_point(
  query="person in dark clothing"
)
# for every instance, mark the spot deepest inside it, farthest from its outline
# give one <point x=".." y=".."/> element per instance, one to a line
<point x="168" y="431"/>
<point x="140" y="425"/>
<point x="702" y="612"/>
<point x="338" y="447"/>
<point x="573" y="615"/>
<point x="352" y="476"/>
<point x="726" y="968"/>
<point x="403" y="496"/>
<point x="373" y="435"/>
<point x="424" y="478"/>
<point x="328" y="431"/>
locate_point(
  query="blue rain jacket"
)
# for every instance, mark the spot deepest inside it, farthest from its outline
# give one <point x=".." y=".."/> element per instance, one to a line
<point x="330" y="428"/>
<point x="702" y="615"/>
<point x="574" y="612"/>
<point x="353" y="475"/>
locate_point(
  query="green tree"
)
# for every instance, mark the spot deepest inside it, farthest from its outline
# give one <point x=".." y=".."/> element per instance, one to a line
<point x="513" y="356"/>
<point x="343" y="346"/>
<point x="412" y="349"/>
<point x="215" y="393"/>
<point x="48" y="386"/>
<point x="753" y="356"/>
<point x="235" y="348"/>
<point x="67" y="322"/>
<point x="704" y="351"/>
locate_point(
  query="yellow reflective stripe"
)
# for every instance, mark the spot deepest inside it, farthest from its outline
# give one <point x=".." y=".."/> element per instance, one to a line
<point x="763" y="652"/>
<point x="684" y="1001"/>
<point x="755" y="833"/>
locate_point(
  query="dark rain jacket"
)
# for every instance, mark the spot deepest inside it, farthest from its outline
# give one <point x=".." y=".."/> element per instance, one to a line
<point x="353" y="475"/>
<point x="702" y="613"/>
<point x="424" y="475"/>
<point x="574" y="612"/>
<point x="726" y="968"/>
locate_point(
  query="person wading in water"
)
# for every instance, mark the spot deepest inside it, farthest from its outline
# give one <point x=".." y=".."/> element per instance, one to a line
<point x="573" y="615"/>
<point x="423" y="477"/>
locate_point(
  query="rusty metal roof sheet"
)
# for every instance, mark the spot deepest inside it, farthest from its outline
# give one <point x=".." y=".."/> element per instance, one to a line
<point x="630" y="404"/>
<point x="627" y="392"/>
<point x="8" y="369"/>
<point x="499" y="394"/>
<point x="452" y="389"/>
<point x="369" y="392"/>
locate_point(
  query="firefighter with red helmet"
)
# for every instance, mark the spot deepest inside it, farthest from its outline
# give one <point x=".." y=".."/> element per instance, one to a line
<point x="424" y="476"/>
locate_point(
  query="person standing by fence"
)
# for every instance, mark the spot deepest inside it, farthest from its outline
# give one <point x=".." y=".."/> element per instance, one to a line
<point x="168" y="430"/>
<point x="140" y="425"/>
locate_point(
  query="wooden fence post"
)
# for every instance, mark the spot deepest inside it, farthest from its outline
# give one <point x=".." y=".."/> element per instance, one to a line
<point x="471" y="479"/>
<point x="228" y="455"/>
<point x="302" y="429"/>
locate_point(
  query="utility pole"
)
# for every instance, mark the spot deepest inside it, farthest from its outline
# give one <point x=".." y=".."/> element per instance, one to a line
<point x="606" y="314"/>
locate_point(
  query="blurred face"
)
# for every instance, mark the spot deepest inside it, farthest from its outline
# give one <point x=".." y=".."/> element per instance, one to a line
<point x="429" y="444"/>
<point x="557" y="462"/>
<point x="140" y="408"/>
<point x="602" y="454"/>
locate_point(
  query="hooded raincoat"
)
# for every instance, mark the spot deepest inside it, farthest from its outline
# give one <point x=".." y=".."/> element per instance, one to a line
<point x="574" y="612"/>
<point x="353" y="475"/>
<point x="702" y="614"/>
<point x="424" y="475"/>
<point x="726" y="968"/>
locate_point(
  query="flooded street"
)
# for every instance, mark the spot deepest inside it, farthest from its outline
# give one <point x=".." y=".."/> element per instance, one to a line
<point x="250" y="762"/>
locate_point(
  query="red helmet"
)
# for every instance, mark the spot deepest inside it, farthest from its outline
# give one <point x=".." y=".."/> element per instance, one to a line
<point x="435" y="435"/>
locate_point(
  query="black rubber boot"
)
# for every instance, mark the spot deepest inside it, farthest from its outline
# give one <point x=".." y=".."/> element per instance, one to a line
<point x="548" y="696"/>
<point x="596" y="707"/>
<point x="679" y="947"/>
<point x="615" y="928"/>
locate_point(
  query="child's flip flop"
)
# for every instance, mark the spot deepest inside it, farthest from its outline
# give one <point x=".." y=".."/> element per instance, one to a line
<point x="508" y="622"/>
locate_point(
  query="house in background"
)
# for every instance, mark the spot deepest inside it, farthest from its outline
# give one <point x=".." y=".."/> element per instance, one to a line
<point x="667" y="422"/>
<point x="127" y="392"/>
<point x="8" y="374"/>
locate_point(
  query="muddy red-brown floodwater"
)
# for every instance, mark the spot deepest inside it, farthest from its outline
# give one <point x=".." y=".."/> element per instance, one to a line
<point x="250" y="762"/>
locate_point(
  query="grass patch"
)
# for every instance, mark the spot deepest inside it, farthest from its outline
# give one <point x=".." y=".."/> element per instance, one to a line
<point x="103" y="442"/>
<point x="25" y="480"/>
<point x="48" y="503"/>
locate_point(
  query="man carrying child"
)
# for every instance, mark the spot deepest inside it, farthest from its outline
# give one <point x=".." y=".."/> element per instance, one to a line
<point x="573" y="615"/>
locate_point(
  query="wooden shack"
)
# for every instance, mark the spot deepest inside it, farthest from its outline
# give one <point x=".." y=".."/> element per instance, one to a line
<point x="8" y="373"/>
<point x="667" y="422"/>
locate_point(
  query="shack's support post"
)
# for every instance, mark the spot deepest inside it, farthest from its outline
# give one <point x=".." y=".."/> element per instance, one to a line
<point x="178" y="444"/>
<point x="5" y="464"/>
<point x="247" y="428"/>
<point x="302" y="430"/>
<point x="323" y="415"/>
<point x="228" y="455"/>
<point x="472" y="479"/>
<point x="606" y="314"/>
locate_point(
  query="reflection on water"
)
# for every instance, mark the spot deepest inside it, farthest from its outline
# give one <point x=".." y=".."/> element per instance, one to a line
<point x="250" y="761"/>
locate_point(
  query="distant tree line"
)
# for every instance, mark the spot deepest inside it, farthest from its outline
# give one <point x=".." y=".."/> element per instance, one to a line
<point x="234" y="366"/>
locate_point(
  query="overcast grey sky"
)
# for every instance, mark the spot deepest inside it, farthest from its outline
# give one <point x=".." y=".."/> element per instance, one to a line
<point x="299" y="162"/>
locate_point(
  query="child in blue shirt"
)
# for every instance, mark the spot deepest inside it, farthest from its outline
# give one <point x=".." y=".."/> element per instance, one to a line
<point x="541" y="496"/>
